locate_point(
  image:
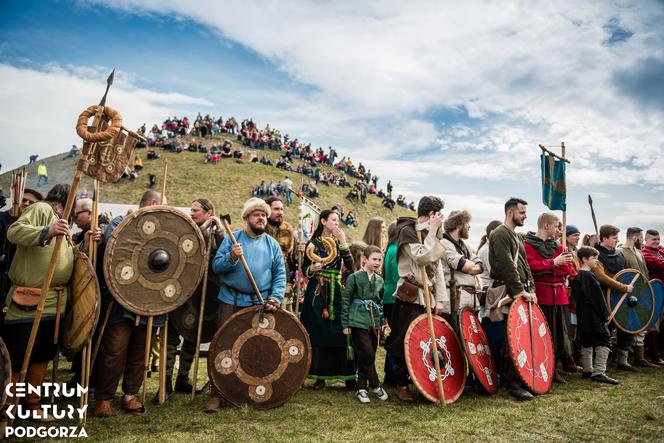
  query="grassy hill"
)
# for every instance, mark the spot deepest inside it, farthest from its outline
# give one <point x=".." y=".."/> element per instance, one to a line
<point x="228" y="184"/>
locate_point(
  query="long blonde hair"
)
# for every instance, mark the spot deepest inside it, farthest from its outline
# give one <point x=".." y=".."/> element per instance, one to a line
<point x="374" y="234"/>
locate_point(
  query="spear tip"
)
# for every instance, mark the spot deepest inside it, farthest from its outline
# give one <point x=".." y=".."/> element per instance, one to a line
<point x="109" y="80"/>
<point x="590" y="199"/>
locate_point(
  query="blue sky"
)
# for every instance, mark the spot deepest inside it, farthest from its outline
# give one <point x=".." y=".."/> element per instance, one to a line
<point x="440" y="97"/>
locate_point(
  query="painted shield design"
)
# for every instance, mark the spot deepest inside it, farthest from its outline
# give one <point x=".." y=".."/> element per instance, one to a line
<point x="530" y="345"/>
<point x="5" y="371"/>
<point x="154" y="260"/>
<point x="658" y="294"/>
<point x="259" y="360"/>
<point x="476" y="345"/>
<point x="420" y="360"/>
<point x="633" y="311"/>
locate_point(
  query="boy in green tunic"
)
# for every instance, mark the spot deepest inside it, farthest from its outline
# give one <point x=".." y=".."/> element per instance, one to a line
<point x="362" y="318"/>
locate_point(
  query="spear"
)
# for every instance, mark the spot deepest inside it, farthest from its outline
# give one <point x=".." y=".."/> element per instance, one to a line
<point x="592" y="212"/>
<point x="97" y="123"/>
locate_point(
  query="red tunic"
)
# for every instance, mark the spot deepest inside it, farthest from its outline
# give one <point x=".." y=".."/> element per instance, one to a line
<point x="654" y="261"/>
<point x="549" y="279"/>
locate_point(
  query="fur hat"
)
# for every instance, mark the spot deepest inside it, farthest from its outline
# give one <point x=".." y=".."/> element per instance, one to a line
<point x="456" y="219"/>
<point x="255" y="204"/>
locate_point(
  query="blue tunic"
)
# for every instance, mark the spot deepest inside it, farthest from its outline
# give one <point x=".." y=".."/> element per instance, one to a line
<point x="266" y="262"/>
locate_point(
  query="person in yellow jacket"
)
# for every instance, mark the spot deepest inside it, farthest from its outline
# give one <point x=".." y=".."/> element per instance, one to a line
<point x="42" y="174"/>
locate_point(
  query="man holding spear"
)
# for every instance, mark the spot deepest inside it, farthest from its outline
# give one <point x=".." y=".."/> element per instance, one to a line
<point x="252" y="267"/>
<point x="33" y="235"/>
<point x="418" y="246"/>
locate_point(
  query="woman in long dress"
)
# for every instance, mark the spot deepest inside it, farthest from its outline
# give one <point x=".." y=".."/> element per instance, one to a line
<point x="326" y="253"/>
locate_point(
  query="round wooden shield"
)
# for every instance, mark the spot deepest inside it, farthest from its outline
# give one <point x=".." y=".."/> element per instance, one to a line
<point x="5" y="371"/>
<point x="185" y="318"/>
<point x="154" y="260"/>
<point x="420" y="359"/>
<point x="634" y="310"/>
<point x="257" y="361"/>
<point x="658" y="295"/>
<point x="83" y="307"/>
<point x="476" y="345"/>
<point x="530" y="345"/>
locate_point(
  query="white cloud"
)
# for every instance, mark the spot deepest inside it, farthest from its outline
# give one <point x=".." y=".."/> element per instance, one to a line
<point x="40" y="108"/>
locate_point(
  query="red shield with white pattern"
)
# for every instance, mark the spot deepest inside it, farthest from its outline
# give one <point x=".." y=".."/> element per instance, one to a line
<point x="420" y="360"/>
<point x="530" y="345"/>
<point x="476" y="345"/>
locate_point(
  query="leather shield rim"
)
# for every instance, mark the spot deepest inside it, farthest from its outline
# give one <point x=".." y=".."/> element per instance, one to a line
<point x="512" y="351"/>
<point x="76" y="348"/>
<point x="656" y="315"/>
<point x="652" y="299"/>
<point x="7" y="366"/>
<point x="490" y="389"/>
<point x="411" y="371"/>
<point x="211" y="358"/>
<point x="110" y="248"/>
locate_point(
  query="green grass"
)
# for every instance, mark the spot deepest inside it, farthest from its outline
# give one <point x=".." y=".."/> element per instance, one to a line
<point x="227" y="184"/>
<point x="581" y="410"/>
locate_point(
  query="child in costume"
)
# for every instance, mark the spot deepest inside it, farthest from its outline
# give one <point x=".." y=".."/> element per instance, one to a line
<point x="592" y="316"/>
<point x="362" y="318"/>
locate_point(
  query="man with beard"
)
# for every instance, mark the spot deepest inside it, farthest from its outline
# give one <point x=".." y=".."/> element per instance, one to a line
<point x="611" y="262"/>
<point x="653" y="254"/>
<point x="550" y="265"/>
<point x="460" y="264"/>
<point x="266" y="263"/>
<point x="412" y="253"/>
<point x="202" y="213"/>
<point x="509" y="267"/>
<point x="282" y="232"/>
<point x="634" y="259"/>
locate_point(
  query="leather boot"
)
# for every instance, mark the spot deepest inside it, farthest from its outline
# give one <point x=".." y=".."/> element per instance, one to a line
<point x="639" y="358"/>
<point x="103" y="409"/>
<point x="404" y="394"/>
<point x="213" y="404"/>
<point x="183" y="384"/>
<point x="622" y="363"/>
<point x="652" y="339"/>
<point x="35" y="377"/>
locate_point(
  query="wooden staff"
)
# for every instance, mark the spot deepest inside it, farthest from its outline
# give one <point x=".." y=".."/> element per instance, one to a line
<point x="532" y="339"/>
<point x="201" y="312"/>
<point x="432" y="333"/>
<point x="622" y="299"/>
<point x="300" y="255"/>
<point x="564" y="239"/>
<point x="163" y="334"/>
<point x="86" y="366"/>
<point x="148" y="343"/>
<point x="229" y="231"/>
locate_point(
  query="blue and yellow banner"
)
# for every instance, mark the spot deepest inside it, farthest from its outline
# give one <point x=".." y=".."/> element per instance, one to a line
<point x="554" y="189"/>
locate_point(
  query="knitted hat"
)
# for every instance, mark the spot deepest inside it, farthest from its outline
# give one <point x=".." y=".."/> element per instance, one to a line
<point x="571" y="230"/>
<point x="255" y="204"/>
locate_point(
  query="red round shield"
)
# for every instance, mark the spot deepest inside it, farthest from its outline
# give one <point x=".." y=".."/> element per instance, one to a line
<point x="476" y="345"/>
<point x="530" y="345"/>
<point x="420" y="361"/>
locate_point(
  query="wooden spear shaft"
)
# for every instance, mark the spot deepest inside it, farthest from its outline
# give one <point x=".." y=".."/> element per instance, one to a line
<point x="201" y="312"/>
<point x="432" y="332"/>
<point x="163" y="334"/>
<point x="229" y="231"/>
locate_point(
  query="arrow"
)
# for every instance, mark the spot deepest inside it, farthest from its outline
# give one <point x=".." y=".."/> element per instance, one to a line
<point x="109" y="82"/>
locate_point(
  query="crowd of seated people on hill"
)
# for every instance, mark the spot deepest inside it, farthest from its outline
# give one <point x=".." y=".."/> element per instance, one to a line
<point x="248" y="134"/>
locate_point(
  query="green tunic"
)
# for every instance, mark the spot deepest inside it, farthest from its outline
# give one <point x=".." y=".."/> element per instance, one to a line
<point x="31" y="261"/>
<point x="391" y="274"/>
<point x="360" y="301"/>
